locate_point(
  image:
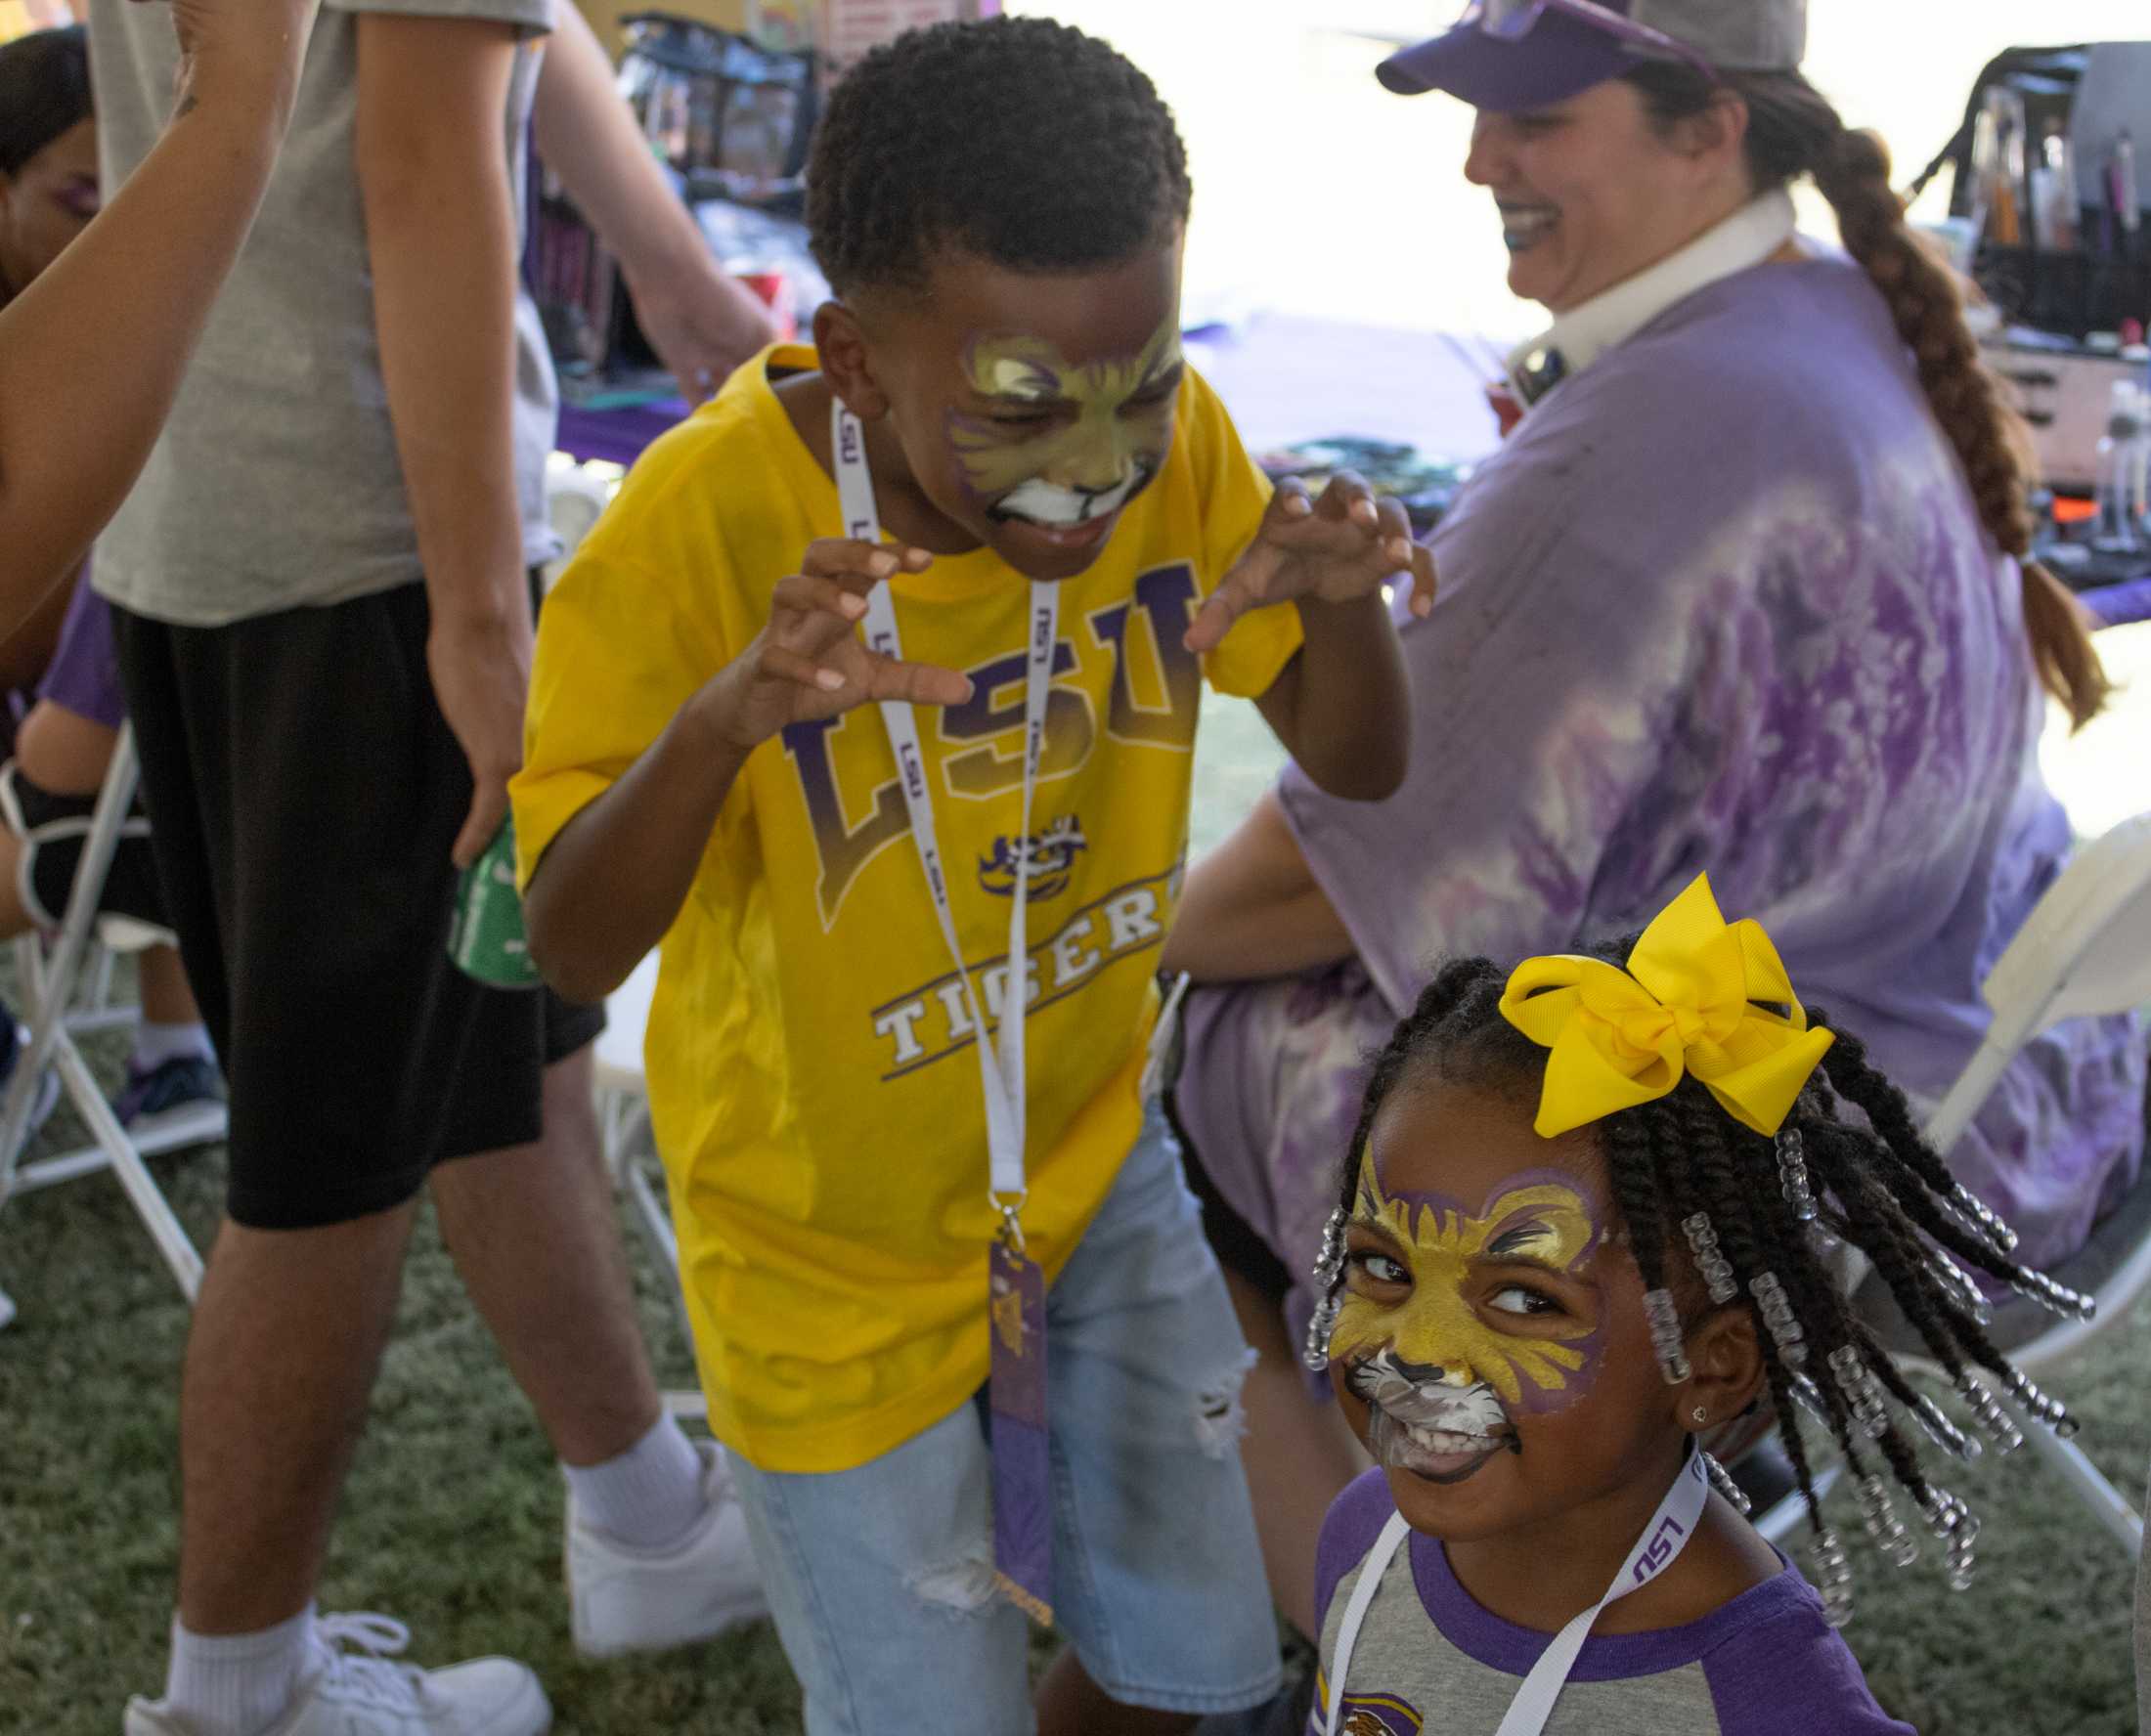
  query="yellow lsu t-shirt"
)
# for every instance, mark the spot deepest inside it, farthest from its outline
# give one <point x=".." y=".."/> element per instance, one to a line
<point x="813" y="1078"/>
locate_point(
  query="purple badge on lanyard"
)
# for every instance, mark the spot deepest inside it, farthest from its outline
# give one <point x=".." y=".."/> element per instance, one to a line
<point x="1022" y="1469"/>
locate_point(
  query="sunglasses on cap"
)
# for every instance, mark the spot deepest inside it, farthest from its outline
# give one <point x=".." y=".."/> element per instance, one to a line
<point x="1511" y="21"/>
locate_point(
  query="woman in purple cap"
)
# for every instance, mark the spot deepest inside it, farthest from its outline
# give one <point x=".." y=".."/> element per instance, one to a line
<point x="1746" y="592"/>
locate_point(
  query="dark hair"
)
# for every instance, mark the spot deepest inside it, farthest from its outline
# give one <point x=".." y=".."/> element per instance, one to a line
<point x="1794" y="131"/>
<point x="1878" y="1188"/>
<point x="44" y="90"/>
<point x="1016" y="139"/>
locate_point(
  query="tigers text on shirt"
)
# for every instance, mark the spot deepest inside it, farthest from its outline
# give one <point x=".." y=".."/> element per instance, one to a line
<point x="809" y="1054"/>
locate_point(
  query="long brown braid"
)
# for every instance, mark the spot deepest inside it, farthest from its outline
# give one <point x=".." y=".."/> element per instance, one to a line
<point x="1794" y="131"/>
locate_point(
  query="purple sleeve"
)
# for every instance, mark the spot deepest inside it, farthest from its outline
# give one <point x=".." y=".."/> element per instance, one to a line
<point x="1793" y="1675"/>
<point x="83" y="676"/>
<point x="1355" y="1520"/>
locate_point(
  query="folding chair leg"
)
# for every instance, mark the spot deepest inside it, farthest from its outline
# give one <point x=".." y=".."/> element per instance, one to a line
<point x="148" y="1197"/>
<point x="2108" y="1505"/>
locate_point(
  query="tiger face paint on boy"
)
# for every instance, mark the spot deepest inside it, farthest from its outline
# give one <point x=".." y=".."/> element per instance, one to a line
<point x="1433" y="1282"/>
<point x="1060" y="445"/>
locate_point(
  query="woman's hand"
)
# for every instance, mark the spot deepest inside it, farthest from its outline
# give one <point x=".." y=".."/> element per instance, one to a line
<point x="1337" y="549"/>
<point x="241" y="58"/>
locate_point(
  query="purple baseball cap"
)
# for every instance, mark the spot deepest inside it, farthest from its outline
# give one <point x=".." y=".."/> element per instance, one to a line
<point x="1561" y="54"/>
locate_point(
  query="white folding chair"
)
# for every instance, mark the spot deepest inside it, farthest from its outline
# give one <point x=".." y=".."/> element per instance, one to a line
<point x="64" y="981"/>
<point x="624" y="1113"/>
<point x="2084" y="952"/>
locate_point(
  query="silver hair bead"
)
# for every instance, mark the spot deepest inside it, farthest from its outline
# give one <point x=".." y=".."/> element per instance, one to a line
<point x="1962" y="1541"/>
<point x="1861" y="1390"/>
<point x="2056" y="1298"/>
<point x="1786" y="1330"/>
<point x="1792" y="1174"/>
<point x="1943" y="1433"/>
<point x="1979" y="1218"/>
<point x="1964" y="1290"/>
<point x="2044" y="1407"/>
<point x="1328" y="1271"/>
<point x="1722" y="1481"/>
<point x="1833" y="1576"/>
<point x="1665" y="1336"/>
<point x="1316" y="1353"/>
<point x="1885" y="1530"/>
<point x="1810" y="1400"/>
<point x="1716" y="1268"/>
<point x="1957" y="1526"/>
<point x="1987" y="1412"/>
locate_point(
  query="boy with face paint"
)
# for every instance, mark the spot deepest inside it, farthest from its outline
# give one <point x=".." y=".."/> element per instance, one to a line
<point x="1077" y="543"/>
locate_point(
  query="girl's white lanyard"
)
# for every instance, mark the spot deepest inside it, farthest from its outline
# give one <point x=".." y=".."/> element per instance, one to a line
<point x="1663" y="1539"/>
<point x="1001" y="1071"/>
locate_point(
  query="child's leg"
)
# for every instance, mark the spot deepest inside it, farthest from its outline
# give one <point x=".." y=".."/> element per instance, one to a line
<point x="881" y="1581"/>
<point x="1157" y="1575"/>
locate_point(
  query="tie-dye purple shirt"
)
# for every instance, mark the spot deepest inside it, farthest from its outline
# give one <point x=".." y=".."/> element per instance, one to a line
<point x="1722" y="602"/>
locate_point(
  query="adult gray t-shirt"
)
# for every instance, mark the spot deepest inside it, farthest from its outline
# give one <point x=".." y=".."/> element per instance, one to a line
<point x="276" y="484"/>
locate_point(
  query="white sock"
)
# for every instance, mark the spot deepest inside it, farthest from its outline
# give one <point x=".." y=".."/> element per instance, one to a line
<point x="237" y="1684"/>
<point x="155" y="1044"/>
<point x="648" y="1497"/>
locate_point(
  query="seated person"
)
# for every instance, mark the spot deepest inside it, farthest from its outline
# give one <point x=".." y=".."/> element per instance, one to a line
<point x="63" y="652"/>
<point x="48" y="194"/>
<point x="1747" y="592"/>
<point x="63" y="749"/>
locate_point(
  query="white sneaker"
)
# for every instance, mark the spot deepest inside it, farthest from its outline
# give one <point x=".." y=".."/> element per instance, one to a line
<point x="622" y="1599"/>
<point x="358" y="1692"/>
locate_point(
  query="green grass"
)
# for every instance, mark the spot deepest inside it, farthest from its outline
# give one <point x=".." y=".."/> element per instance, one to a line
<point x="452" y="1519"/>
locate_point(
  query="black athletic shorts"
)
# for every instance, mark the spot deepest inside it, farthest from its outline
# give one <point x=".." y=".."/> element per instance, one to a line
<point x="303" y="792"/>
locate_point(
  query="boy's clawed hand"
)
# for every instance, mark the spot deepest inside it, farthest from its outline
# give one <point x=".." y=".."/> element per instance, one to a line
<point x="810" y="661"/>
<point x="1337" y="549"/>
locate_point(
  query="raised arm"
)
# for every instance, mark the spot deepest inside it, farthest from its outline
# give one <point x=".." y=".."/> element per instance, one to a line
<point x="612" y="881"/>
<point x="77" y="420"/>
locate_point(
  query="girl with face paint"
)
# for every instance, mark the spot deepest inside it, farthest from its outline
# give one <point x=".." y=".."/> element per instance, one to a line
<point x="1583" y="1224"/>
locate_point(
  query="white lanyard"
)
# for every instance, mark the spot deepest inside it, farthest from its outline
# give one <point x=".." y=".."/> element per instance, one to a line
<point x="1663" y="1539"/>
<point x="1002" y="1072"/>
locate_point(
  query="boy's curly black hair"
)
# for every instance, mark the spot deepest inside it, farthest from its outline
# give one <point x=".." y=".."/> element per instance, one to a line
<point x="1018" y="139"/>
<point x="1878" y="1188"/>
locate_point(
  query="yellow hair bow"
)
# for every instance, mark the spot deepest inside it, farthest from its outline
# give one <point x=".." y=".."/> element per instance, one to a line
<point x="1684" y="1005"/>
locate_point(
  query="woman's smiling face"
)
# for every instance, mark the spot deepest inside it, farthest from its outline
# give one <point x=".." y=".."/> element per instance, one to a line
<point x="1591" y="191"/>
<point x="1491" y="1348"/>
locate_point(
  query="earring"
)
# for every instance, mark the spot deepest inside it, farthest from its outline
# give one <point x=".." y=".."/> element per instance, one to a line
<point x="1701" y="1417"/>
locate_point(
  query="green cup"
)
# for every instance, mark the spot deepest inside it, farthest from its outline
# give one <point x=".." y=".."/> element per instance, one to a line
<point x="487" y="939"/>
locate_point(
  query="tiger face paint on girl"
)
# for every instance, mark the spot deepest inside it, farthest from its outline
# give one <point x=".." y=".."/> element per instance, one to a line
<point x="1448" y="1291"/>
<point x="1049" y="443"/>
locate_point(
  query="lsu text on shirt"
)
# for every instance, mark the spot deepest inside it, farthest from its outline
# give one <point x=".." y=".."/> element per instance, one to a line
<point x="812" y="1076"/>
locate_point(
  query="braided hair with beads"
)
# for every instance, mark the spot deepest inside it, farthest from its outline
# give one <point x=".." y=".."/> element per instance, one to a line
<point x="1865" y="1181"/>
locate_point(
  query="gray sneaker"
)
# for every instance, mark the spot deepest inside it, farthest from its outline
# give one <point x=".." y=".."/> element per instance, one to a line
<point x="353" y="1688"/>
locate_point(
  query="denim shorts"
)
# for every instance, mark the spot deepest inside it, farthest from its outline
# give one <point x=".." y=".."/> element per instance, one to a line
<point x="881" y="1578"/>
